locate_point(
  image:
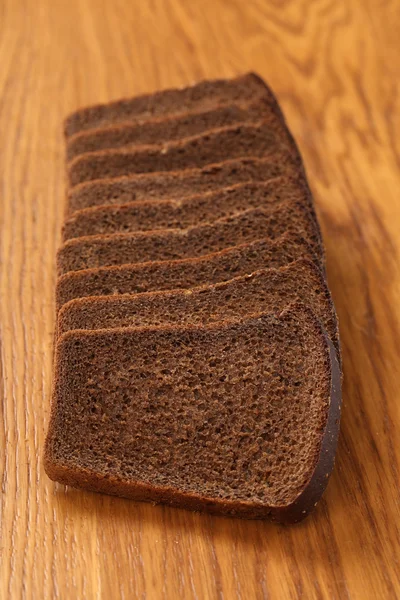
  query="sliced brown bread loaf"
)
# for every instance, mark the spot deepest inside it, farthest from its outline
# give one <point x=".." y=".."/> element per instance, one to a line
<point x="232" y="418"/>
<point x="238" y="141"/>
<point x="173" y="128"/>
<point x="265" y="290"/>
<point x="202" y="208"/>
<point x="201" y="96"/>
<point x="169" y="244"/>
<point x="172" y="184"/>
<point x="181" y="274"/>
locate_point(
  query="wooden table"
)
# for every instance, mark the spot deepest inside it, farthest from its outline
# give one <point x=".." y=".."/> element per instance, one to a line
<point x="335" y="68"/>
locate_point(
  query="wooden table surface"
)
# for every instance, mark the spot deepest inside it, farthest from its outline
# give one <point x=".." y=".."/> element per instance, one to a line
<point x="335" y="68"/>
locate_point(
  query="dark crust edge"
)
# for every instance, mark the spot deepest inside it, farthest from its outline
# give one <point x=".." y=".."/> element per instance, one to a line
<point x="295" y="512"/>
<point x="323" y="469"/>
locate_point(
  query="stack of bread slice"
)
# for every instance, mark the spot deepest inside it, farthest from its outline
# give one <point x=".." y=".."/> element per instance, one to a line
<point x="197" y="358"/>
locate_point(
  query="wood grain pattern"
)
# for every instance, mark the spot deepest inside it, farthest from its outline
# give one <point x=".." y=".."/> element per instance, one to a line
<point x="335" y="68"/>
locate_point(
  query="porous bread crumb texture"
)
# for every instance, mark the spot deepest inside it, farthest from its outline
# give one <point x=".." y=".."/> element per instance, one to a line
<point x="145" y="132"/>
<point x="213" y="146"/>
<point x="170" y="244"/>
<point x="180" y="183"/>
<point x="266" y="290"/>
<point x="194" y="210"/>
<point x="201" y="96"/>
<point x="204" y="391"/>
<point x="183" y="273"/>
<point x="230" y="412"/>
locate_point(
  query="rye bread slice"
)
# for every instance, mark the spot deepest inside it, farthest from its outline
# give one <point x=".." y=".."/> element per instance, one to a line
<point x="173" y="184"/>
<point x="181" y="274"/>
<point x="201" y="96"/>
<point x="238" y="141"/>
<point x="128" y="135"/>
<point x="170" y="244"/>
<point x="180" y="214"/>
<point x="265" y="290"/>
<point x="232" y="418"/>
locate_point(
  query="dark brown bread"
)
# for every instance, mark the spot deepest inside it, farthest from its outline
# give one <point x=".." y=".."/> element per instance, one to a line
<point x="222" y="397"/>
<point x="181" y="274"/>
<point x="170" y="244"/>
<point x="173" y="184"/>
<point x="265" y="290"/>
<point x="237" y="141"/>
<point x="232" y="418"/>
<point x="201" y="96"/>
<point x="129" y="135"/>
<point x="180" y="214"/>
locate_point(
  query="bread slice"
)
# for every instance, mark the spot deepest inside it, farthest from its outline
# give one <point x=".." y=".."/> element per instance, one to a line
<point x="180" y="183"/>
<point x="201" y="96"/>
<point x="169" y="244"/>
<point x="202" y="208"/>
<point x="238" y="141"/>
<point x="183" y="273"/>
<point x="233" y="418"/>
<point x="265" y="290"/>
<point x="129" y="135"/>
